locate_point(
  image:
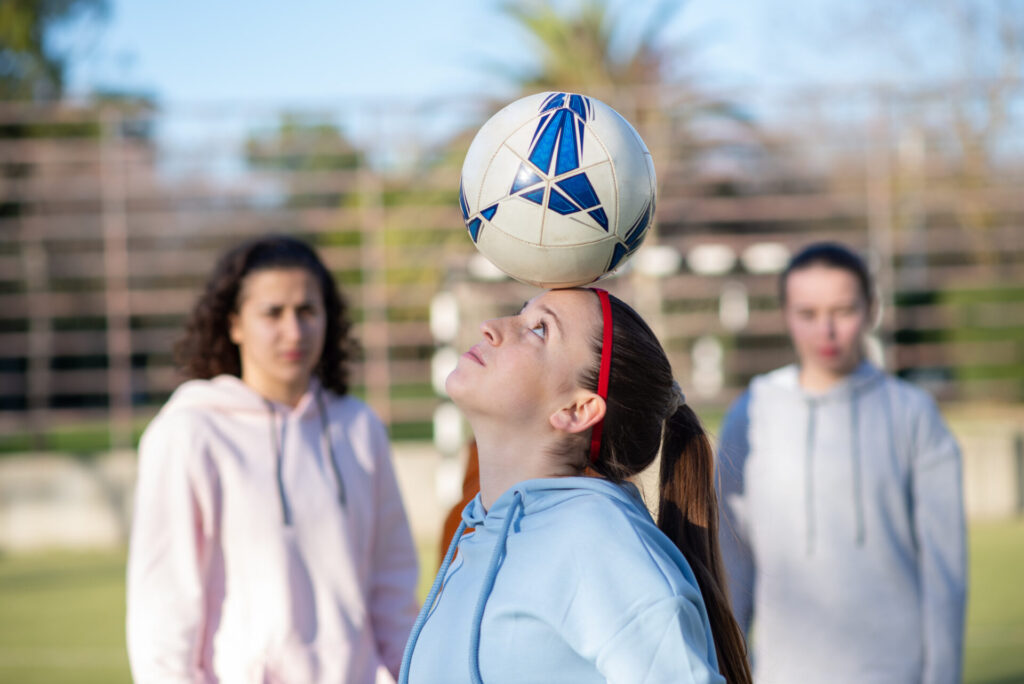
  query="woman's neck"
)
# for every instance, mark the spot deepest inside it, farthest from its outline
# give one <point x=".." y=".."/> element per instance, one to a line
<point x="288" y="394"/>
<point x="507" y="460"/>
<point x="818" y="380"/>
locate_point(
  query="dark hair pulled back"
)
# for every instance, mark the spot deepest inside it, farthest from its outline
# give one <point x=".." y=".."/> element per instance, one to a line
<point x="832" y="255"/>
<point x="639" y="423"/>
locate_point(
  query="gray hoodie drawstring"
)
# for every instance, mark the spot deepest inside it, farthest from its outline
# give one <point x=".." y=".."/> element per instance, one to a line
<point x="286" y="516"/>
<point x="855" y="466"/>
<point x="328" y="450"/>
<point x="325" y="435"/>
<point x="890" y="427"/>
<point x="858" y="494"/>
<point x="812" y="406"/>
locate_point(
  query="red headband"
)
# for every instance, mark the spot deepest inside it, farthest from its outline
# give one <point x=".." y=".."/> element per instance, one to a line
<point x="606" y="364"/>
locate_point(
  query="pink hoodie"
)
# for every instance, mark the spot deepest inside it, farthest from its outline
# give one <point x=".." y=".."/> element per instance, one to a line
<point x="253" y="557"/>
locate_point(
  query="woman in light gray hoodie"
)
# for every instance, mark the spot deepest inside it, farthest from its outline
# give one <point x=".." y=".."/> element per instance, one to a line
<point x="842" y="515"/>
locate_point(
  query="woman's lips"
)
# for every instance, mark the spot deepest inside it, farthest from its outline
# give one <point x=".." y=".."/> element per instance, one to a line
<point x="474" y="354"/>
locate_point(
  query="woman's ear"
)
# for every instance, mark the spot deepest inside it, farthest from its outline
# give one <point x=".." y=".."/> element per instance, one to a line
<point x="586" y="410"/>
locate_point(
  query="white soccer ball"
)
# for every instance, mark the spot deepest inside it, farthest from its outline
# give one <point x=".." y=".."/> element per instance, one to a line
<point x="557" y="190"/>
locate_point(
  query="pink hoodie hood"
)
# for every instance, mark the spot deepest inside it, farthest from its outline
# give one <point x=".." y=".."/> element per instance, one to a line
<point x="227" y="393"/>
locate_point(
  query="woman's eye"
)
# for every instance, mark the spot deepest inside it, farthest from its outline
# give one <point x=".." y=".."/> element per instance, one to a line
<point x="540" y="330"/>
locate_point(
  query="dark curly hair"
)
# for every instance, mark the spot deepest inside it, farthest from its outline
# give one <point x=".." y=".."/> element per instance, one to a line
<point x="206" y="349"/>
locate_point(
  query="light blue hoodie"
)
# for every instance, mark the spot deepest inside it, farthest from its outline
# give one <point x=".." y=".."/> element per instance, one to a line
<point x="842" y="531"/>
<point x="563" y="580"/>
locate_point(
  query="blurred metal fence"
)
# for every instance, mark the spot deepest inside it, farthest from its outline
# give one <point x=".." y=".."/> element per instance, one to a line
<point x="111" y="217"/>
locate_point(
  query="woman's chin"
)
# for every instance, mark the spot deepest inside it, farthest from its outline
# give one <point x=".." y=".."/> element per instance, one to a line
<point x="456" y="388"/>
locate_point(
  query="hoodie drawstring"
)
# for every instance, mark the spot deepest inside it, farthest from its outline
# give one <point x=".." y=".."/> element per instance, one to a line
<point x="286" y="517"/>
<point x="812" y="407"/>
<point x="325" y="438"/>
<point x="891" y="430"/>
<point x="485" y="591"/>
<point x="858" y="494"/>
<point x="856" y="457"/>
<point x="428" y="604"/>
<point x="325" y="435"/>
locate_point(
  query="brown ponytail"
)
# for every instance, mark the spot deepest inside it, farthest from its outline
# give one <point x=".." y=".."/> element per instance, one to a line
<point x="688" y="515"/>
<point x="641" y="393"/>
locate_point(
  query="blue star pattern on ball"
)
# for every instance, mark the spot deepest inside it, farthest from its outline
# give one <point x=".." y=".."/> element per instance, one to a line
<point x="555" y="154"/>
<point x="473" y="226"/>
<point x="635" y="235"/>
<point x="546" y="178"/>
<point x="557" y="190"/>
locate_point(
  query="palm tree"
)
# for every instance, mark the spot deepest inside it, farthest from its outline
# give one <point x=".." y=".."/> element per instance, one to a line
<point x="585" y="48"/>
<point x="32" y="68"/>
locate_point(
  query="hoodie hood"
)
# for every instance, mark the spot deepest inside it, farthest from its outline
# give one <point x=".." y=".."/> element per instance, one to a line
<point x="863" y="376"/>
<point x="541" y="494"/>
<point x="566" y="575"/>
<point x="529" y="497"/>
<point x="229" y="394"/>
<point x="221" y="588"/>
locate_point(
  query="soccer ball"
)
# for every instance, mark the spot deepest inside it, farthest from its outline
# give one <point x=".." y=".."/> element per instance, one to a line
<point x="557" y="190"/>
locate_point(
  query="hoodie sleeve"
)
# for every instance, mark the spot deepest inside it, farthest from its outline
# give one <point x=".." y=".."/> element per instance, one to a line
<point x="733" y="536"/>
<point x="395" y="565"/>
<point x="942" y="557"/>
<point x="170" y="542"/>
<point x="666" y="642"/>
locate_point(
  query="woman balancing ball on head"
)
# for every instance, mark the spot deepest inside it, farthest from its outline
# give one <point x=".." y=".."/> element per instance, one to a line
<point x="269" y="541"/>
<point x="842" y="505"/>
<point x="567" y="578"/>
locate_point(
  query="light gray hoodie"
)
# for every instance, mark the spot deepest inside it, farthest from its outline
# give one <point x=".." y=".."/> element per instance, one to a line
<point x="843" y="531"/>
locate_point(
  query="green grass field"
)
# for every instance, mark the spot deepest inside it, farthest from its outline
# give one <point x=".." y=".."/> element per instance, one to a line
<point x="62" y="614"/>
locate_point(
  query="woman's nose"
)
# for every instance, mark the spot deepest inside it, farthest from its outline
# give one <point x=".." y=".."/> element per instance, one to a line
<point x="292" y="326"/>
<point x="830" y="327"/>
<point x="490" y="330"/>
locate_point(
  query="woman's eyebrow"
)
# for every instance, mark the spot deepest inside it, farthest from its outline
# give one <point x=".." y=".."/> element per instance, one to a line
<point x="545" y="309"/>
<point x="558" y="322"/>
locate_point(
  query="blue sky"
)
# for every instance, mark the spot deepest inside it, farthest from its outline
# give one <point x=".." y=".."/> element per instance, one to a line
<point x="322" y="51"/>
<point x="218" y="66"/>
